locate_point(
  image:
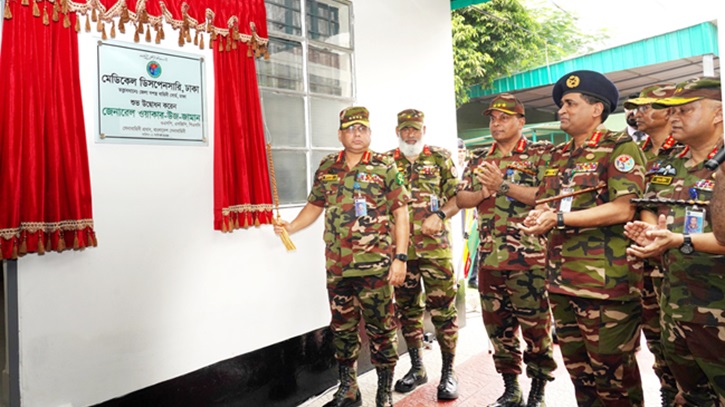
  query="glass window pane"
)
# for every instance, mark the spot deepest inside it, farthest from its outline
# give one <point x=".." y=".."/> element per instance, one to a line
<point x="329" y="22"/>
<point x="284" y="119"/>
<point x="284" y="16"/>
<point x="283" y="70"/>
<point x="330" y="72"/>
<point x="290" y="168"/>
<point x="325" y="121"/>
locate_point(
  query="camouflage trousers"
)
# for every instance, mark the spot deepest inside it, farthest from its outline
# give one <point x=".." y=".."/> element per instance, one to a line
<point x="440" y="299"/>
<point x="695" y="355"/>
<point x="598" y="339"/>
<point x="369" y="297"/>
<point x="513" y="299"/>
<point x="652" y="330"/>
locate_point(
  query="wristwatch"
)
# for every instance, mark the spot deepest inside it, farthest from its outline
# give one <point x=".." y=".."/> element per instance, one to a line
<point x="503" y="189"/>
<point x="440" y="214"/>
<point x="560" y="220"/>
<point x="687" y="247"/>
<point x="402" y="257"/>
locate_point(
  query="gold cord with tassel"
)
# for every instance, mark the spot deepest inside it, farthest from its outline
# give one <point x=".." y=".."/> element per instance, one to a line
<point x="56" y="9"/>
<point x="104" y="37"/>
<point x="88" y="24"/>
<point x="201" y="41"/>
<point x="66" y="20"/>
<point x="148" y="34"/>
<point x="113" y="28"/>
<point x="36" y="9"/>
<point x="162" y="34"/>
<point x="136" y="35"/>
<point x="78" y="24"/>
<point x="284" y="235"/>
<point x="94" y="16"/>
<point x="24" y="3"/>
<point x="7" y="14"/>
<point x="46" y="20"/>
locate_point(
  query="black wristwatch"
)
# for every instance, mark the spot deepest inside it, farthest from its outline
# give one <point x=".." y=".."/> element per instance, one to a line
<point x="560" y="220"/>
<point x="503" y="189"/>
<point x="402" y="257"/>
<point x="687" y="247"/>
<point x="440" y="214"/>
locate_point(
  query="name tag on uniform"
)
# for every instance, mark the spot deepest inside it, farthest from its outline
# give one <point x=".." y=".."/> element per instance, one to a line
<point x="694" y="220"/>
<point x="660" y="180"/>
<point x="551" y="172"/>
<point x="565" y="204"/>
<point x="330" y="177"/>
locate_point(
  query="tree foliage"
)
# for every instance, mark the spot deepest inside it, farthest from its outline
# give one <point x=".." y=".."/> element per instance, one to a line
<point x="503" y="37"/>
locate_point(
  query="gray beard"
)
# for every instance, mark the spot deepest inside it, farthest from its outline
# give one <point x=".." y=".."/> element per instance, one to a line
<point x="411" y="150"/>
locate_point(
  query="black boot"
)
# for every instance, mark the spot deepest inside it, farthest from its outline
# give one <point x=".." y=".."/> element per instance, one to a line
<point x="415" y="376"/>
<point x="512" y="396"/>
<point x="384" y="397"/>
<point x="536" y="394"/>
<point x="668" y="398"/>
<point x="448" y="387"/>
<point x="344" y="396"/>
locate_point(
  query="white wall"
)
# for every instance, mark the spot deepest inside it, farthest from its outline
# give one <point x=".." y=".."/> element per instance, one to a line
<point x="163" y="294"/>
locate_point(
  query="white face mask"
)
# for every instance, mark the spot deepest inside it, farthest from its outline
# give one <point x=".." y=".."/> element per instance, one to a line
<point x="411" y="150"/>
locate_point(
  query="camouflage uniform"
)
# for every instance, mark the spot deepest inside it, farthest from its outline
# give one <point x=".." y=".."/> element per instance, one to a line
<point x="512" y="274"/>
<point x="431" y="177"/>
<point x="594" y="290"/>
<point x="693" y="292"/>
<point x="652" y="284"/>
<point x="358" y="252"/>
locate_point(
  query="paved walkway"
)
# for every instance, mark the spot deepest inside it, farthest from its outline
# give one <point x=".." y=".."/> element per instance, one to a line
<point x="479" y="384"/>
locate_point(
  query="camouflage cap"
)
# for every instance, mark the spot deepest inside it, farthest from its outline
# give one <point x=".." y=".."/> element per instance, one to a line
<point x="692" y="90"/>
<point x="410" y="118"/>
<point x="353" y="115"/>
<point x="651" y="94"/>
<point x="587" y="83"/>
<point x="506" y="103"/>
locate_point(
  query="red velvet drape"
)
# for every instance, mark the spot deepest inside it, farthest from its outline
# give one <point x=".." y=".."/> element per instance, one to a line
<point x="45" y="191"/>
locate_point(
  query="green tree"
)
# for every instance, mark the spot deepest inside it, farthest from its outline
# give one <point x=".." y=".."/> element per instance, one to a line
<point x="502" y="37"/>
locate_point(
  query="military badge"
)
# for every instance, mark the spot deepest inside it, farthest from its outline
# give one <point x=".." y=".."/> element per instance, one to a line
<point x="573" y="81"/>
<point x="705" y="184"/>
<point x="585" y="167"/>
<point x="624" y="163"/>
<point x="551" y="172"/>
<point x="330" y="177"/>
<point x="660" y="180"/>
<point x="590" y="156"/>
<point x="399" y="178"/>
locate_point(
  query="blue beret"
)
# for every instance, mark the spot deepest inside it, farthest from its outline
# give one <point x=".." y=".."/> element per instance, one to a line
<point x="588" y="83"/>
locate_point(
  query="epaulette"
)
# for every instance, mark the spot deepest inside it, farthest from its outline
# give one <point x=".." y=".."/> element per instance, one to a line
<point x="480" y="152"/>
<point x="677" y="150"/>
<point x="618" y="137"/>
<point x="329" y="157"/>
<point x="383" y="158"/>
<point x="440" y="150"/>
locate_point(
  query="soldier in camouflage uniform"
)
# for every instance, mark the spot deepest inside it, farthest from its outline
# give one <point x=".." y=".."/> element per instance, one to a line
<point x="594" y="290"/>
<point x="430" y="176"/>
<point x="361" y="191"/>
<point x="657" y="143"/>
<point x="693" y="294"/>
<point x="502" y="181"/>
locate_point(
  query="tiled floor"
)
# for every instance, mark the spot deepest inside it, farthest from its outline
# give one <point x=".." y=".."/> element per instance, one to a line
<point x="479" y="384"/>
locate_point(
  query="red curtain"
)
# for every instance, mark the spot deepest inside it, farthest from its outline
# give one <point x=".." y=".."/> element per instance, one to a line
<point x="45" y="192"/>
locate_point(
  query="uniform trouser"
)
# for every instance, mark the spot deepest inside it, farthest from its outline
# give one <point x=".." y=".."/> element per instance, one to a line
<point x="695" y="355"/>
<point x="597" y="339"/>
<point x="440" y="299"/>
<point x="513" y="299"/>
<point x="652" y="330"/>
<point x="372" y="298"/>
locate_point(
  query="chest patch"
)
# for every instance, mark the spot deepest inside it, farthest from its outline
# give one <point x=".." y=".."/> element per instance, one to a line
<point x="624" y="163"/>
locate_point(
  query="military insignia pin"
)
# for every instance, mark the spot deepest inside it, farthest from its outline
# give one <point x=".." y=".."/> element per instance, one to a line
<point x="624" y="163"/>
<point x="573" y="81"/>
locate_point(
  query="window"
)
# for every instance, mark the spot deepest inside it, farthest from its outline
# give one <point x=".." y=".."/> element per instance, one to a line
<point x="304" y="85"/>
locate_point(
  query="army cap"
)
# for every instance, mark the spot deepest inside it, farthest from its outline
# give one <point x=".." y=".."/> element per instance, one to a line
<point x="651" y="94"/>
<point x="588" y="83"/>
<point x="410" y="118"/>
<point x="692" y="90"/>
<point x="354" y="115"/>
<point x="506" y="103"/>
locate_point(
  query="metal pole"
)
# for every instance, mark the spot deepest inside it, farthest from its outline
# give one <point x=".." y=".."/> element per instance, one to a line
<point x="12" y="348"/>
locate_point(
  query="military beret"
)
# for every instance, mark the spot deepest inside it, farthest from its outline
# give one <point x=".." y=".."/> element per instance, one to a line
<point x="352" y="115"/>
<point x="588" y="83"/>
<point x="506" y="103"/>
<point x="410" y="118"/>
<point x="690" y="91"/>
<point x="651" y="94"/>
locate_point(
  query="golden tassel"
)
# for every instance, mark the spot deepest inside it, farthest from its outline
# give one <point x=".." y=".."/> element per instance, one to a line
<point x="249" y="51"/>
<point x="94" y="16"/>
<point x="196" y="37"/>
<point x="139" y="27"/>
<point x="104" y="37"/>
<point x="8" y="15"/>
<point x="61" y="242"/>
<point x="65" y="6"/>
<point x="121" y="26"/>
<point x="224" y="226"/>
<point x="36" y="10"/>
<point x="201" y="41"/>
<point x="234" y="44"/>
<point x="213" y="36"/>
<point x="113" y="28"/>
<point x="55" y="17"/>
<point x="148" y="34"/>
<point x="15" y="251"/>
<point x="181" y="37"/>
<point x="188" y="34"/>
<point x="41" y="245"/>
<point x="45" y="16"/>
<point x="24" y="3"/>
<point x="275" y="196"/>
<point x="221" y="47"/>
<point x="88" y="24"/>
<point x="229" y="43"/>
<point x="24" y="246"/>
<point x="161" y="31"/>
<point x="136" y="36"/>
<point x="99" y="25"/>
<point x="266" y="54"/>
<point x="78" y="24"/>
<point x="158" y="37"/>
<point x="75" y="241"/>
<point x="66" y="20"/>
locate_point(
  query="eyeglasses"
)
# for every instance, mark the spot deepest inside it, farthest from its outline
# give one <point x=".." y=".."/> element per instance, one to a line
<point x="643" y="108"/>
<point x="407" y="130"/>
<point x="357" y="129"/>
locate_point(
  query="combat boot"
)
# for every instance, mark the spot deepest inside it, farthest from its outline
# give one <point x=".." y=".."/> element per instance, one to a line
<point x="384" y="397"/>
<point x="512" y="396"/>
<point x="536" y="394"/>
<point x="415" y="376"/>
<point x="345" y="396"/>
<point x="448" y="387"/>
